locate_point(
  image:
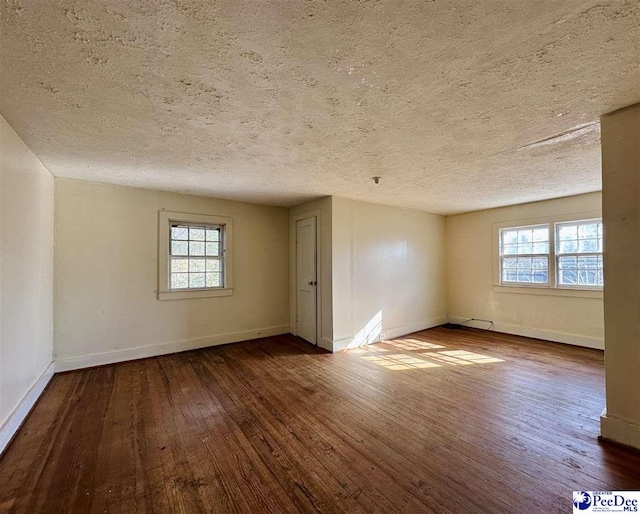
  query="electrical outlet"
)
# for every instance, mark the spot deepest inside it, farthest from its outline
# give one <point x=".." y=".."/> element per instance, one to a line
<point x="383" y="336"/>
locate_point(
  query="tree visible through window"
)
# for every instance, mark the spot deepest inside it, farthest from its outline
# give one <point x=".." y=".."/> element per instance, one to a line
<point x="579" y="248"/>
<point x="524" y="255"/>
<point x="569" y="256"/>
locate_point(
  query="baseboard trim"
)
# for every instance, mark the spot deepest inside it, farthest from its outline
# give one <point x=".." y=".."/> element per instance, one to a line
<point x="538" y="333"/>
<point x="142" y="352"/>
<point x="619" y="431"/>
<point x="389" y="333"/>
<point x="325" y="344"/>
<point x="15" y="420"/>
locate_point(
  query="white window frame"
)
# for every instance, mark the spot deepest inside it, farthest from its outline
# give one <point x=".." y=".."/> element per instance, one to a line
<point x="552" y="289"/>
<point x="168" y="218"/>
<point x="556" y="225"/>
<point x="548" y="255"/>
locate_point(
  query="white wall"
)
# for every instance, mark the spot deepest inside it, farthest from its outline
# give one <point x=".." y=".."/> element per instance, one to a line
<point x="621" y="209"/>
<point x="322" y="210"/>
<point x="388" y="271"/>
<point x="472" y="292"/>
<point x="26" y="278"/>
<point x="106" y="267"/>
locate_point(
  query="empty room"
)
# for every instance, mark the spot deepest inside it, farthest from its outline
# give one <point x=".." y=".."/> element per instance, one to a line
<point x="319" y="256"/>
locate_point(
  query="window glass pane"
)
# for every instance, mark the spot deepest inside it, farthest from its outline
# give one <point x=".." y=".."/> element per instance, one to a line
<point x="196" y="233"/>
<point x="567" y="262"/>
<point x="196" y="248"/>
<point x="196" y="280"/>
<point x="509" y="262"/>
<point x="524" y="241"/>
<point x="213" y="234"/>
<point x="527" y="270"/>
<point x="566" y="232"/>
<point x="567" y="277"/>
<point x="540" y="276"/>
<point x="213" y="280"/>
<point x="525" y="248"/>
<point x="180" y="265"/>
<point x="524" y="276"/>
<point x="213" y="249"/>
<point x="540" y="234"/>
<point x="179" y="280"/>
<point x="588" y="245"/>
<point x="213" y="265"/>
<point x="540" y="263"/>
<point x="179" y="232"/>
<point x="179" y="248"/>
<point x="510" y="250"/>
<point x="525" y="236"/>
<point x="588" y="231"/>
<point x="196" y="265"/>
<point x="581" y="270"/>
<point x="568" y="247"/>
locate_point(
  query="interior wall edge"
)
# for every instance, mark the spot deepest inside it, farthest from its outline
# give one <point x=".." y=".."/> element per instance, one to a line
<point x="540" y="333"/>
<point x="14" y="421"/>
<point x="143" y="352"/>
<point x="619" y="430"/>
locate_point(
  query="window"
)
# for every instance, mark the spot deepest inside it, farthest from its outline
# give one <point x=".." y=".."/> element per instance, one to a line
<point x="562" y="255"/>
<point x="524" y="255"/>
<point x="194" y="255"/>
<point x="579" y="253"/>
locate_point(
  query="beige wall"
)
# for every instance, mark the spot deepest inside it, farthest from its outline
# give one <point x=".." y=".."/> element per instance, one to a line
<point x="322" y="210"/>
<point x="388" y="271"/>
<point x="621" y="211"/>
<point x="26" y="270"/>
<point x="472" y="256"/>
<point x="106" y="267"/>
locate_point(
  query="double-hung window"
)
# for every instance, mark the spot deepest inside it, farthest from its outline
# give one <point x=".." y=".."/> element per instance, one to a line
<point x="194" y="255"/>
<point x="560" y="255"/>
<point x="579" y="246"/>
<point x="524" y="255"/>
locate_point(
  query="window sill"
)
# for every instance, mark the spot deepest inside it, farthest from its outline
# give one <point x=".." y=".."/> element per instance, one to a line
<point x="197" y="293"/>
<point x="549" y="291"/>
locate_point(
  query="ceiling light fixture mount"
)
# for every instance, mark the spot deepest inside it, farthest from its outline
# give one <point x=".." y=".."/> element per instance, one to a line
<point x="376" y="180"/>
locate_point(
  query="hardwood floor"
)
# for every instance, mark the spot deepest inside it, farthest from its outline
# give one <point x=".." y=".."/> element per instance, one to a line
<point x="441" y="421"/>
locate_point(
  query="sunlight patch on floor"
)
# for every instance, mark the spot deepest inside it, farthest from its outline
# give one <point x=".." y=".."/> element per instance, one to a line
<point x="400" y="361"/>
<point x="413" y="344"/>
<point x="376" y="354"/>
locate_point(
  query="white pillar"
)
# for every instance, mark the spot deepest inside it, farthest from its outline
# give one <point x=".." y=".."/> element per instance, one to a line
<point x="621" y="216"/>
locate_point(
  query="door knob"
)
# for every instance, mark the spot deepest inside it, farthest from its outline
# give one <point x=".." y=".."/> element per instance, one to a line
<point x="312" y="283"/>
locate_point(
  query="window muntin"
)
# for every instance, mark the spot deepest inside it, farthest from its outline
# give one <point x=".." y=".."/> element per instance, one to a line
<point x="524" y="255"/>
<point x="579" y="247"/>
<point x="196" y="256"/>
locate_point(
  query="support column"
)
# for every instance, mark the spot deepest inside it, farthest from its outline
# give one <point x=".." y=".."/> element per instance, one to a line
<point x="621" y="217"/>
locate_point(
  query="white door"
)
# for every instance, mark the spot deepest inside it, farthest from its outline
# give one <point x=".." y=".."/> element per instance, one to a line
<point x="306" y="279"/>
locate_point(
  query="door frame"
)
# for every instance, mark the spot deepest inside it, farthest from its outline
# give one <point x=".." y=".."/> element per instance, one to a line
<point x="293" y="294"/>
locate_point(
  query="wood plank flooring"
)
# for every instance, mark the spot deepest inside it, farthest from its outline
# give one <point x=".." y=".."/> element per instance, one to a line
<point x="443" y="420"/>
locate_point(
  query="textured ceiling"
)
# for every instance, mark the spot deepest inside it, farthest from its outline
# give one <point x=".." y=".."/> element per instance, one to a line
<point x="283" y="101"/>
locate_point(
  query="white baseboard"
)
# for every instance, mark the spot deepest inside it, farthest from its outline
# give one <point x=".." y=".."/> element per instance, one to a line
<point x="538" y="333"/>
<point x="389" y="333"/>
<point x="141" y="352"/>
<point x="16" y="418"/>
<point x="325" y="343"/>
<point x="619" y="431"/>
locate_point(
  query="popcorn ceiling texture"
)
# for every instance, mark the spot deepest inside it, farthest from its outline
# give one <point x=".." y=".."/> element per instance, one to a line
<point x="280" y="102"/>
